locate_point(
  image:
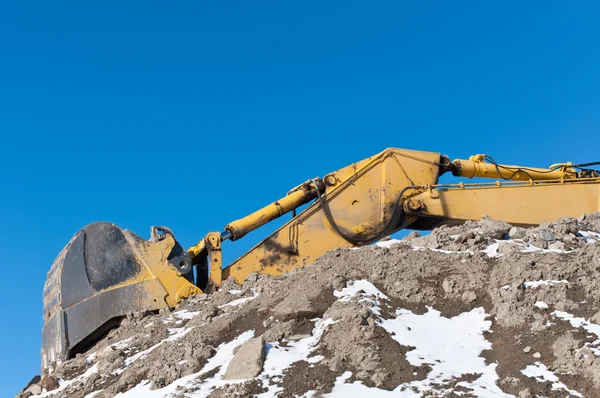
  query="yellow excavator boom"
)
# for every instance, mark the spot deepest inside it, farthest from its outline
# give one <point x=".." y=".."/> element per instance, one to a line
<point x="105" y="272"/>
<point x="398" y="189"/>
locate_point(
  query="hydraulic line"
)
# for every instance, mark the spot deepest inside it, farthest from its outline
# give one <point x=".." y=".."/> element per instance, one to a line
<point x="357" y="240"/>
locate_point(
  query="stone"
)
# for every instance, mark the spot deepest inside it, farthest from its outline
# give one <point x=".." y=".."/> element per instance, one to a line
<point x="540" y="243"/>
<point x="447" y="285"/>
<point x="469" y="297"/>
<point x="526" y="349"/>
<point x="248" y="360"/>
<point x="211" y="312"/>
<point x="165" y="311"/>
<point x="26" y="391"/>
<point x="516" y="233"/>
<point x="35" y="389"/>
<point x="525" y="393"/>
<point x="294" y="307"/>
<point x="297" y="337"/>
<point x="49" y="383"/>
<point x="508" y="248"/>
<point x="537" y="355"/>
<point x="493" y="228"/>
<point x="558" y="245"/>
<point x="465" y="236"/>
<point x="547" y="235"/>
<point x="432" y="242"/>
<point x="570" y="238"/>
<point x="478" y="239"/>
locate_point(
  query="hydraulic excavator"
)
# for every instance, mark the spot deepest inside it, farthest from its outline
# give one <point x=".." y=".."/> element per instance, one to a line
<point x="106" y="272"/>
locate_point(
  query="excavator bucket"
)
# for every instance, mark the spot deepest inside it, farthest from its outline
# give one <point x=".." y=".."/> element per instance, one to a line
<point x="102" y="274"/>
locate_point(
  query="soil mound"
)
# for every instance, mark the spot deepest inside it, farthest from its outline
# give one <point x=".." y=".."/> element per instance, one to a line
<point x="480" y="310"/>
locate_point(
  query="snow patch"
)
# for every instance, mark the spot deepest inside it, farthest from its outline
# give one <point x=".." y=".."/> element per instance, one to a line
<point x="395" y="242"/>
<point x="577" y="322"/>
<point x="366" y="290"/>
<point x="93" y="394"/>
<point x="492" y="249"/>
<point x="359" y="390"/>
<point x="549" y="282"/>
<point x="280" y="358"/>
<point x="354" y="287"/>
<point x="451" y="346"/>
<point x="442" y="250"/>
<point x="121" y="345"/>
<point x="540" y="372"/>
<point x="541" y="305"/>
<point x="241" y="300"/>
<point x="175" y="334"/>
<point x="389" y="243"/>
<point x="315" y="359"/>
<point x="185" y="314"/>
<point x="221" y="359"/>
<point x="590" y="236"/>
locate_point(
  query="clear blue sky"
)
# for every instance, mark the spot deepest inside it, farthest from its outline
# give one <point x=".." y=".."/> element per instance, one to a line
<point x="191" y="114"/>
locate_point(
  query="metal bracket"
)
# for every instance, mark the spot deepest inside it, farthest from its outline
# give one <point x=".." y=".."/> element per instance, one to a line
<point x="213" y="246"/>
<point x="433" y="193"/>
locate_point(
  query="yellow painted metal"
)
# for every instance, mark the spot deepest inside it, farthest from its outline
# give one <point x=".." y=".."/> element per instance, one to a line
<point x="361" y="200"/>
<point x="363" y="197"/>
<point x="522" y="204"/>
<point x="296" y="198"/>
<point x="476" y="167"/>
<point x="173" y="287"/>
<point x="198" y="248"/>
<point x="213" y="245"/>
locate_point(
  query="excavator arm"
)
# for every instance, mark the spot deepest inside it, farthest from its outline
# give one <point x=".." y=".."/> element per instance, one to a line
<point x="105" y="272"/>
<point x="398" y="189"/>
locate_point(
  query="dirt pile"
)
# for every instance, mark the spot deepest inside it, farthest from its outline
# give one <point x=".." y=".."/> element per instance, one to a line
<point x="485" y="309"/>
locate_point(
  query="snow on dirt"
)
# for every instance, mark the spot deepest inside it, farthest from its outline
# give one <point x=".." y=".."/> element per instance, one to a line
<point x="534" y="284"/>
<point x="484" y="309"/>
<point x="540" y="372"/>
<point x="222" y="357"/>
<point x="240" y="300"/>
<point x="280" y="358"/>
<point x="592" y="328"/>
<point x="451" y="346"/>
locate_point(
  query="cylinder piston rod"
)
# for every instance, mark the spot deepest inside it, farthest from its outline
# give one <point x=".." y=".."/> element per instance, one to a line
<point x="299" y="196"/>
<point x="225" y="235"/>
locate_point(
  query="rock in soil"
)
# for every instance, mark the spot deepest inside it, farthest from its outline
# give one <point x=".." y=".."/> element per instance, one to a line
<point x="247" y="361"/>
